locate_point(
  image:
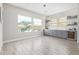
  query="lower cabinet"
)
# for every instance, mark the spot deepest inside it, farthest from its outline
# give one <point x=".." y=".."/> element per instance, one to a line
<point x="63" y="34"/>
<point x="72" y="35"/>
<point x="56" y="33"/>
<point x="53" y="33"/>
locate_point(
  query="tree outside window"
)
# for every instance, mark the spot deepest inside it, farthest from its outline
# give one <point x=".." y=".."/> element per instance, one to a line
<point x="29" y="24"/>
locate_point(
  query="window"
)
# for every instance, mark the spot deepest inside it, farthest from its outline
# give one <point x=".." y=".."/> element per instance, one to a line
<point x="37" y="21"/>
<point x="29" y="24"/>
<point x="24" y="23"/>
<point x="37" y="24"/>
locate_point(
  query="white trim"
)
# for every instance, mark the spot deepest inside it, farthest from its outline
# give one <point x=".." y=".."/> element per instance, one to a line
<point x="17" y="39"/>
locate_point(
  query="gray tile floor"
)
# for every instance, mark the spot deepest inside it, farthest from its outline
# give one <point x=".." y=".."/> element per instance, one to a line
<point x="43" y="45"/>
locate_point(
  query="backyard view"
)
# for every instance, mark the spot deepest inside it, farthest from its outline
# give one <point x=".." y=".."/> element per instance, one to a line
<point x="29" y="24"/>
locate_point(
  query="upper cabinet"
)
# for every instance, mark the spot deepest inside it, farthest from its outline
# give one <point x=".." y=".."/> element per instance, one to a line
<point x="57" y="23"/>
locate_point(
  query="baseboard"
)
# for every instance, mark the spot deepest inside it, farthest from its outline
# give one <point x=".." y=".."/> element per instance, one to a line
<point x="19" y="39"/>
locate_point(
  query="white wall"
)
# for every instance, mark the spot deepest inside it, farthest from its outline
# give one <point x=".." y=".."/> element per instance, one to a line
<point x="10" y="18"/>
<point x="0" y="27"/>
<point x="78" y="27"/>
<point x="0" y="36"/>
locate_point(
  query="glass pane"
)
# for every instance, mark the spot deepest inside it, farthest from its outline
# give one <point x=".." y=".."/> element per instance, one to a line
<point x="37" y="24"/>
<point x="37" y="21"/>
<point x="24" y="23"/>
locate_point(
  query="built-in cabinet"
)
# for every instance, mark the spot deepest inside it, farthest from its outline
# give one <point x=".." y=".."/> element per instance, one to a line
<point x="56" y="33"/>
<point x="72" y="35"/>
<point x="65" y="27"/>
<point x="65" y="34"/>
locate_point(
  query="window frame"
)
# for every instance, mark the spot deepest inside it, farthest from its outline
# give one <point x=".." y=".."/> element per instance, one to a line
<point x="32" y="23"/>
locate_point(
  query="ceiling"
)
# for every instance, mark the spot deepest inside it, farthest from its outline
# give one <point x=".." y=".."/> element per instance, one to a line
<point x="50" y="9"/>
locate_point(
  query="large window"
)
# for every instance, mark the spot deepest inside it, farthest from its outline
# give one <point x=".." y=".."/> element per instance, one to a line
<point x="24" y="23"/>
<point x="29" y="24"/>
<point x="37" y="24"/>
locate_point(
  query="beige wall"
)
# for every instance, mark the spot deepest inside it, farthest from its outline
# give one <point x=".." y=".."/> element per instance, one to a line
<point x="10" y="19"/>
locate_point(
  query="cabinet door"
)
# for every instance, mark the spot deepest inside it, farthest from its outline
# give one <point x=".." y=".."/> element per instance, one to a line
<point x="61" y="34"/>
<point x="53" y="32"/>
<point x="58" y="33"/>
<point x="50" y="32"/>
<point x="71" y="35"/>
<point x="64" y="34"/>
<point x="45" y="32"/>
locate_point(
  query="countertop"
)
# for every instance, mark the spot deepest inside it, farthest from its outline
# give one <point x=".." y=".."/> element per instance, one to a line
<point x="62" y="30"/>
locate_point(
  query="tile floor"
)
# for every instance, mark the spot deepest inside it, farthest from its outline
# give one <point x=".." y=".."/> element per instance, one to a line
<point x="43" y="45"/>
